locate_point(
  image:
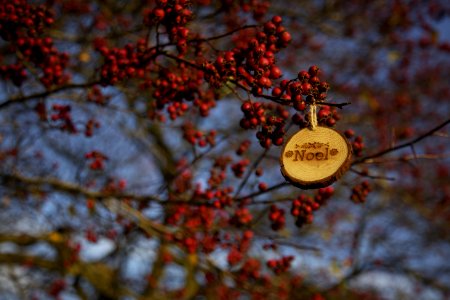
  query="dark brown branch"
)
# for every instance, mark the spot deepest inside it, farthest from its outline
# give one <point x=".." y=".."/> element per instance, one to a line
<point x="74" y="189"/>
<point x="371" y="176"/>
<point x="70" y="188"/>
<point x="200" y="40"/>
<point x="272" y="188"/>
<point x="409" y="144"/>
<point x="222" y="35"/>
<point x="249" y="172"/>
<point x="23" y="99"/>
<point x="287" y="102"/>
<point x="21" y="259"/>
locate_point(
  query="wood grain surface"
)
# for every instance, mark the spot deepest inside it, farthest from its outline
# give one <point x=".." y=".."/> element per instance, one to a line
<point x="315" y="158"/>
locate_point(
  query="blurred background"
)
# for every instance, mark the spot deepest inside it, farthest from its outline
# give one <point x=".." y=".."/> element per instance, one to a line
<point x="147" y="186"/>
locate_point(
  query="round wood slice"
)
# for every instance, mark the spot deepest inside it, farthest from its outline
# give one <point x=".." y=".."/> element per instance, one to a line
<point x="315" y="158"/>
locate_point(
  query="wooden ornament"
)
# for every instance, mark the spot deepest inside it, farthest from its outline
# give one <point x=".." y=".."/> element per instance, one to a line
<point x="315" y="158"/>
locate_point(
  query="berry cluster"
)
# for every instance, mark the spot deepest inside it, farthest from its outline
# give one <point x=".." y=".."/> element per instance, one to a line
<point x="90" y="126"/>
<point x="280" y="265"/>
<point x="222" y="197"/>
<point x="91" y="235"/>
<point x="360" y="192"/>
<point x="252" y="62"/>
<point x="96" y="96"/>
<point x="173" y="87"/>
<point x="173" y="15"/>
<point x="56" y="287"/>
<point x="97" y="160"/>
<point x="42" y="53"/>
<point x="14" y="72"/>
<point x="306" y="88"/>
<point x="299" y="120"/>
<point x="217" y="173"/>
<point x="241" y="217"/>
<point x="277" y="218"/>
<point x="234" y="256"/>
<point x="61" y="116"/>
<point x="271" y="119"/>
<point x="254" y="114"/>
<point x="273" y="131"/>
<point x="239" y="167"/>
<point x="121" y="63"/>
<point x="251" y="269"/>
<point x="270" y="246"/>
<point x="328" y="116"/>
<point x="197" y="137"/>
<point x="304" y="206"/>
<point x="73" y="254"/>
<point x="243" y="147"/>
<point x="240" y="244"/>
<point x="357" y="142"/>
<point x="19" y="18"/>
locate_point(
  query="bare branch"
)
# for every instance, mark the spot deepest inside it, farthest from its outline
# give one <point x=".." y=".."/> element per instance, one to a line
<point x="369" y="158"/>
<point x="272" y="188"/>
<point x="23" y="99"/>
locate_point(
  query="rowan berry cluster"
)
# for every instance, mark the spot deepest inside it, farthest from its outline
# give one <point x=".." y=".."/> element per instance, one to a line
<point x="120" y="64"/>
<point x="360" y="192"/>
<point x="242" y="216"/>
<point x="217" y="172"/>
<point x="252" y="63"/>
<point x="73" y="254"/>
<point x="304" y="206"/>
<point x="14" y="72"/>
<point x="305" y="89"/>
<point x="61" y="116"/>
<point x="271" y="119"/>
<point x="220" y="197"/>
<point x="299" y="120"/>
<point x="273" y="131"/>
<point x="18" y="18"/>
<point x="173" y="15"/>
<point x="243" y="147"/>
<point x="238" y="246"/>
<point x="277" y="218"/>
<point x="281" y="265"/>
<point x="239" y="167"/>
<point x="90" y="235"/>
<point x="223" y="198"/>
<point x="251" y="270"/>
<point x="90" y="126"/>
<point x="97" y="160"/>
<point x="96" y="96"/>
<point x="328" y="116"/>
<point x="234" y="256"/>
<point x="356" y="142"/>
<point x="174" y="88"/>
<point x="56" y="287"/>
<point x="197" y="137"/>
<point x="42" y="53"/>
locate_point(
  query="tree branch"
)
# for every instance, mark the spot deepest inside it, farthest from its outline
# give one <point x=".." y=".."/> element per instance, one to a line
<point x="368" y="158"/>
<point x="272" y="188"/>
<point x="23" y="99"/>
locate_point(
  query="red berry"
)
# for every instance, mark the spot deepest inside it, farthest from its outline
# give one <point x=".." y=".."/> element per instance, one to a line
<point x="275" y="72"/>
<point x="306" y="88"/>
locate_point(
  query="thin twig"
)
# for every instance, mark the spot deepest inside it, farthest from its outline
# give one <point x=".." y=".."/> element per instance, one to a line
<point x="369" y="158"/>
<point x="272" y="188"/>
<point x="371" y="176"/>
<point x="249" y="172"/>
